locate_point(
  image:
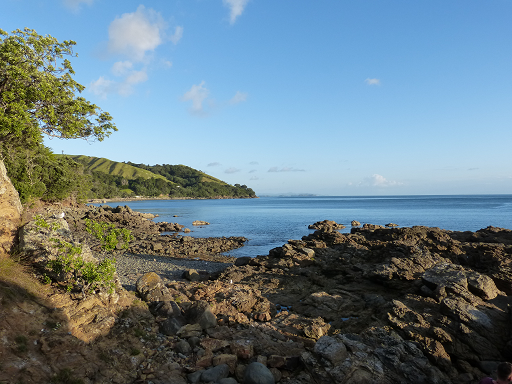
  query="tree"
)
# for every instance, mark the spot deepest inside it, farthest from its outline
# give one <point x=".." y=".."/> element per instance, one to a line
<point x="38" y="93"/>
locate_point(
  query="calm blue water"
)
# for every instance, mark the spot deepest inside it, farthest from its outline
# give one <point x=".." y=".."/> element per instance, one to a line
<point x="269" y="222"/>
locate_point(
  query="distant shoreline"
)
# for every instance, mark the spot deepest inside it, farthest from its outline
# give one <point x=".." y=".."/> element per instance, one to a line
<point x="122" y="199"/>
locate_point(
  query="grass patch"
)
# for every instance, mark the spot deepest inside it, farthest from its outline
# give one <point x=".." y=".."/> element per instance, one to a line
<point x="65" y="376"/>
<point x="17" y="283"/>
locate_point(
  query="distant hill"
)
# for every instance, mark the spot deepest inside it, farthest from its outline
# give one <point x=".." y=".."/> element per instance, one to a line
<point x="114" y="168"/>
<point x="111" y="179"/>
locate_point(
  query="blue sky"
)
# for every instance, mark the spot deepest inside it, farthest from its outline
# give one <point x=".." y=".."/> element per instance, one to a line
<point x="332" y="97"/>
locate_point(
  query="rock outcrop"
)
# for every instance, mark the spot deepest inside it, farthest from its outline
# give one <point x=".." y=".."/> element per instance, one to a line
<point x="10" y="211"/>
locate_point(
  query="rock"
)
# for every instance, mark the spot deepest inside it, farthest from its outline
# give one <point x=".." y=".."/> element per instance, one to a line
<point x="190" y="330"/>
<point x="243" y="260"/>
<point x="171" y="326"/>
<point x="225" y="358"/>
<point x="10" y="211"/>
<point x="257" y="373"/>
<point x="465" y="312"/>
<point x="169" y="227"/>
<point x="201" y="313"/>
<point x="151" y="288"/>
<point x="228" y="380"/>
<point x="317" y="329"/>
<point x="183" y="347"/>
<point x="215" y="374"/>
<point x="391" y="225"/>
<point x="326" y="225"/>
<point x="199" y="222"/>
<point x="355" y="223"/>
<point x="331" y="349"/>
<point x="191" y="275"/>
<point x="244" y="349"/>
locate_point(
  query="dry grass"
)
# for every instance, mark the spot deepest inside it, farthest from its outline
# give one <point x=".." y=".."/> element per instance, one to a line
<point x="17" y="281"/>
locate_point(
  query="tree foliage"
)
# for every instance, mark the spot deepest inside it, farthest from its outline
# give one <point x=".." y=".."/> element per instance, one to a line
<point x="37" y="173"/>
<point x="38" y="92"/>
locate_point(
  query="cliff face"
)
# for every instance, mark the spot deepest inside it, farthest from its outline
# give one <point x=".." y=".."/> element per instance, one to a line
<point x="10" y="211"/>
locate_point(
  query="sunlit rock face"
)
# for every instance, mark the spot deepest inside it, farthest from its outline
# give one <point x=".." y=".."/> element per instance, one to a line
<point x="10" y="211"/>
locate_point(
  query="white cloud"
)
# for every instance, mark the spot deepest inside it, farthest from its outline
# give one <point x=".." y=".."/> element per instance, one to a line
<point x="214" y="164"/>
<point x="167" y="63"/>
<point x="285" y="169"/>
<point x="236" y="8"/>
<point x="378" y="181"/>
<point x="197" y="94"/>
<point x="254" y="178"/>
<point x="238" y="98"/>
<point x="102" y="87"/>
<point x="253" y="171"/>
<point x="177" y="35"/>
<point x="369" y="81"/>
<point x="135" y="34"/>
<point x="75" y="5"/>
<point x="136" y="77"/>
<point x="121" y="68"/>
<point x="232" y="170"/>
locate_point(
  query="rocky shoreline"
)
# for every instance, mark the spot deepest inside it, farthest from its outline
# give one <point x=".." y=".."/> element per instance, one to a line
<point x="377" y="305"/>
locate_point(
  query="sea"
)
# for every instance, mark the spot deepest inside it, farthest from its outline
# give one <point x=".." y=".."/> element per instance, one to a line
<point x="269" y="222"/>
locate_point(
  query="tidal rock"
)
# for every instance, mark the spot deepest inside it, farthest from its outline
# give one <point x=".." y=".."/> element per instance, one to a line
<point x="326" y="225"/>
<point x="199" y="222"/>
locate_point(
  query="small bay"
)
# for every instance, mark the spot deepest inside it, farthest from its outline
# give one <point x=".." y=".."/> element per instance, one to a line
<point x="269" y="222"/>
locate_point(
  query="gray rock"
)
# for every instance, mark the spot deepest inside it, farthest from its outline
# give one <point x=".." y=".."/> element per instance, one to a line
<point x="170" y="326"/>
<point x="331" y="349"/>
<point x="257" y="373"/>
<point x="215" y="374"/>
<point x="227" y="380"/>
<point x="201" y="313"/>
<point x="195" y="377"/>
<point x="183" y="347"/>
<point x="465" y="312"/>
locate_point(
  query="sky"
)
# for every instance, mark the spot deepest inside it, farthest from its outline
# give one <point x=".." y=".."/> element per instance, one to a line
<point x="331" y="97"/>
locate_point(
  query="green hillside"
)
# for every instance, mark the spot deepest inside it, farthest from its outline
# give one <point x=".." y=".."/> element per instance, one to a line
<point x="111" y="179"/>
<point x="114" y="168"/>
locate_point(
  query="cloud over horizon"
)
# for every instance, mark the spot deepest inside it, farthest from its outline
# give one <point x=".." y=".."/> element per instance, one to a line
<point x="285" y="169"/>
<point x="378" y="181"/>
<point x="369" y="81"/>
<point x="236" y="8"/>
<point x="232" y="170"/>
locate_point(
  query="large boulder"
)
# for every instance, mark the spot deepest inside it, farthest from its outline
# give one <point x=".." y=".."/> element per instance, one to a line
<point x="10" y="211"/>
